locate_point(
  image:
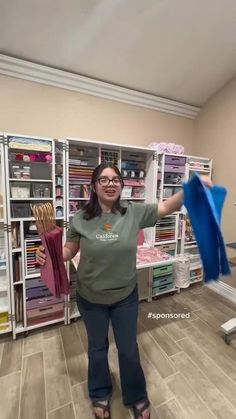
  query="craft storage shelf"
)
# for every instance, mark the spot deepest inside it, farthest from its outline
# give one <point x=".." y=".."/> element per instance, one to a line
<point x="174" y="233"/>
<point x="5" y="289"/>
<point x="137" y="165"/>
<point x="202" y="166"/>
<point x="170" y="175"/>
<point x="38" y="170"/>
<point x="35" y="174"/>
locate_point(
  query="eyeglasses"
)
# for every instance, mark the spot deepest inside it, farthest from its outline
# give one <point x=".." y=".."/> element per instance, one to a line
<point x="105" y="181"/>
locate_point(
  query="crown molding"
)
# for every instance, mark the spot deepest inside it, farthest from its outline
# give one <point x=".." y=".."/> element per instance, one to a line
<point x="26" y="70"/>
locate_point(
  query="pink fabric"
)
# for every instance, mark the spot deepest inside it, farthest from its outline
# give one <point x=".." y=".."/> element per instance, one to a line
<point x="140" y="238"/>
<point x="53" y="272"/>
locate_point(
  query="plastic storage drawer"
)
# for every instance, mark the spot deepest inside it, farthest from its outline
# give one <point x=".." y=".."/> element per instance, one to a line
<point x="162" y="270"/>
<point x="176" y="160"/>
<point x="164" y="280"/>
<point x="43" y="311"/>
<point x="162" y="288"/>
<point x="43" y="302"/>
<point x="171" y="168"/>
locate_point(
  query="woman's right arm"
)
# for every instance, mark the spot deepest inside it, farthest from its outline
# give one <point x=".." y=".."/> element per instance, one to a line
<point x="69" y="251"/>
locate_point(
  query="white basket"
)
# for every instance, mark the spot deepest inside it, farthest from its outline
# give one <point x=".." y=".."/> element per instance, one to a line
<point x="181" y="272"/>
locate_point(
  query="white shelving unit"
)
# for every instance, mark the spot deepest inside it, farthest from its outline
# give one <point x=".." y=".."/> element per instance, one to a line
<point x="173" y="170"/>
<point x="137" y="165"/>
<point x="31" y="170"/>
<point x="5" y="289"/>
<point x="64" y="179"/>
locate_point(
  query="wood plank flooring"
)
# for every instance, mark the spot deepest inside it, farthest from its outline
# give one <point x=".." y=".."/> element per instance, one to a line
<point x="190" y="371"/>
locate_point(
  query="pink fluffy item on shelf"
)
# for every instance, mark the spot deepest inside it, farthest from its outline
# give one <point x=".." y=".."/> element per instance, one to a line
<point x="167" y="147"/>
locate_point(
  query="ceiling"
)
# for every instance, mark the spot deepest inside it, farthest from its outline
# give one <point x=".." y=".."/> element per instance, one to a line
<point x="183" y="50"/>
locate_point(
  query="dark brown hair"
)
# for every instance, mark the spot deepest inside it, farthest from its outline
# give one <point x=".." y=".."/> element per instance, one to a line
<point x="92" y="208"/>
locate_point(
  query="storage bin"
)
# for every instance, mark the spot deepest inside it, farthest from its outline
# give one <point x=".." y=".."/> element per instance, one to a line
<point x="163" y="280"/>
<point x="171" y="168"/>
<point x="20" y="190"/>
<point x="20" y="210"/>
<point x="42" y="302"/>
<point x="176" y="160"/>
<point x="162" y="270"/>
<point x="44" y="317"/>
<point x="41" y="190"/>
<point x="162" y="288"/>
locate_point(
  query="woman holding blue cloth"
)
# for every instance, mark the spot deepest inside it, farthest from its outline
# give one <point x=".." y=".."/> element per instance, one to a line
<point x="106" y="231"/>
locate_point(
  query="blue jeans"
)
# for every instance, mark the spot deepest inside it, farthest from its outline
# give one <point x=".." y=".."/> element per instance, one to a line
<point x="123" y="316"/>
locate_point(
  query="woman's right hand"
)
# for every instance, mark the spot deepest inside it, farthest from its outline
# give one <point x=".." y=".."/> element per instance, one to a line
<point x="40" y="255"/>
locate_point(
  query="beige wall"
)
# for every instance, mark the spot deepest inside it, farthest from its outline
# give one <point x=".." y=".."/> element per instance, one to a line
<point x="34" y="109"/>
<point x="215" y="136"/>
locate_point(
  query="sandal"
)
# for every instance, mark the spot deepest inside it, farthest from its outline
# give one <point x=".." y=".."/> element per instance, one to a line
<point x="138" y="411"/>
<point x="105" y="409"/>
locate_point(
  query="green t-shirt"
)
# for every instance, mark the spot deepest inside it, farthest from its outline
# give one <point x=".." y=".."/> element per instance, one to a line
<point x="108" y="244"/>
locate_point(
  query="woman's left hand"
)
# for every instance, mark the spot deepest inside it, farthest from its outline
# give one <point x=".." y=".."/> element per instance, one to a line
<point x="207" y="181"/>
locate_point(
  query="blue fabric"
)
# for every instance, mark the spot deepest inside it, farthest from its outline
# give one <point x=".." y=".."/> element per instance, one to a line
<point x="204" y="206"/>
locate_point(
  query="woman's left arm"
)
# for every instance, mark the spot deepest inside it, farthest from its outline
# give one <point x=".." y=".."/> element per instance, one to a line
<point x="175" y="202"/>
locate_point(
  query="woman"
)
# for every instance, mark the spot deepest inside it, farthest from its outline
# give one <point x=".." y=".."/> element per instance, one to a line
<point x="106" y="233"/>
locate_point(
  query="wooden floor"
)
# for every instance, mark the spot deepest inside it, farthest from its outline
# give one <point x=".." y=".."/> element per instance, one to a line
<point x="190" y="371"/>
<point x="231" y="279"/>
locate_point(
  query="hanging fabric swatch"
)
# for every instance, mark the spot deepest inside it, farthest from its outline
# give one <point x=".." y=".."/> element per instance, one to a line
<point x="204" y="206"/>
<point x="53" y="272"/>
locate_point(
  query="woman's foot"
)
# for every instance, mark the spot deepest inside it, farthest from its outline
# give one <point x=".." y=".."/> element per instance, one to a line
<point x="142" y="410"/>
<point x="101" y="409"/>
